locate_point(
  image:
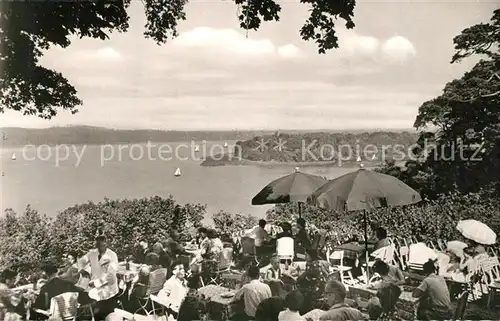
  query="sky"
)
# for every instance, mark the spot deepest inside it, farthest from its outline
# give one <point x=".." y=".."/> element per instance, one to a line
<point x="214" y="77"/>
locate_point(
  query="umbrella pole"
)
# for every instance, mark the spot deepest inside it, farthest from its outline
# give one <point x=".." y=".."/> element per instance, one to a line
<point x="366" y="245"/>
<point x="300" y="209"/>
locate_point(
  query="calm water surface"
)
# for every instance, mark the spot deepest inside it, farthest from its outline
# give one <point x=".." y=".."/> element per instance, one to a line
<point x="50" y="188"/>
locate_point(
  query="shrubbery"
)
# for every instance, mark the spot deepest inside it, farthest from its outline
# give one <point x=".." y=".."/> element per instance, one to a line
<point x="30" y="239"/>
<point x="435" y="219"/>
<point x="227" y="223"/>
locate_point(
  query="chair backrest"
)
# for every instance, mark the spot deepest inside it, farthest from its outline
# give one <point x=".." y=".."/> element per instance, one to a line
<point x="336" y="256"/>
<point x="491" y="268"/>
<point x="443" y="262"/>
<point x="156" y="280"/>
<point x="285" y="248"/>
<point x="248" y="245"/>
<point x="402" y="256"/>
<point x="64" y="306"/>
<point x="385" y="253"/>
<point x="461" y="305"/>
<point x="226" y="258"/>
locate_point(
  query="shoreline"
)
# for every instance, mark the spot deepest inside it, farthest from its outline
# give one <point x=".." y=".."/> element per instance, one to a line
<point x="212" y="162"/>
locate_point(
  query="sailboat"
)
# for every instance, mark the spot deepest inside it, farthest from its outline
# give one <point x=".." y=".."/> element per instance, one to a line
<point x="14" y="157"/>
<point x="374" y="157"/>
<point x="177" y="172"/>
<point x="358" y="159"/>
<point x="225" y="145"/>
<point x="197" y="148"/>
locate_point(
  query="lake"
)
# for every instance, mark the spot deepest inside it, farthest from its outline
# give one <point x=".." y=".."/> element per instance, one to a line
<point x="51" y="183"/>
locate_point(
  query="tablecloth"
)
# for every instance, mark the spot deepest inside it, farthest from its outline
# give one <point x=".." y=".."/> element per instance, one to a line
<point x="352" y="251"/>
<point x="406" y="305"/>
<point x="218" y="307"/>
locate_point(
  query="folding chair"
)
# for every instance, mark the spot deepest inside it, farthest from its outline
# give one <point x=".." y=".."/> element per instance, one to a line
<point x="155" y="283"/>
<point x="64" y="307"/>
<point x="224" y="265"/>
<point x="491" y="277"/>
<point x="346" y="277"/>
<point x="403" y="257"/>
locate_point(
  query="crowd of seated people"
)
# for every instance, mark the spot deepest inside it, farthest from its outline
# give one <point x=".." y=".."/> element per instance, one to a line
<point x="313" y="294"/>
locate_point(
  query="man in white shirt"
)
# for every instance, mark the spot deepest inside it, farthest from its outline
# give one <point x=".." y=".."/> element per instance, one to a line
<point x="260" y="235"/>
<point x="174" y="290"/>
<point x="253" y="293"/>
<point x="103" y="284"/>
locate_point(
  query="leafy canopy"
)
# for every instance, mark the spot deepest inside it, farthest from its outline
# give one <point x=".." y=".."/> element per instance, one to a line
<point x="462" y="125"/>
<point x="27" y="28"/>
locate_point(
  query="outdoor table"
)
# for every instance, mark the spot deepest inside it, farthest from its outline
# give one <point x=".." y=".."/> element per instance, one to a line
<point x="218" y="307"/>
<point x="351" y="250"/>
<point x="231" y="279"/>
<point x="406" y="306"/>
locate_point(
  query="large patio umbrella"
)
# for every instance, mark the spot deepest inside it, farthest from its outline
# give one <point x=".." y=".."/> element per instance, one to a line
<point x="363" y="190"/>
<point x="295" y="187"/>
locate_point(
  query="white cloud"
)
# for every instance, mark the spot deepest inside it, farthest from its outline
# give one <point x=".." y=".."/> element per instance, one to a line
<point x="290" y="51"/>
<point x="232" y="41"/>
<point x="106" y="54"/>
<point x="354" y="44"/>
<point x="398" y="49"/>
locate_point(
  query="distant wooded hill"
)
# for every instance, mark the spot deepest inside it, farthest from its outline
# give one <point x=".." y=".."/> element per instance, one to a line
<point x="98" y="136"/>
<point x="318" y="147"/>
<point x="14" y="136"/>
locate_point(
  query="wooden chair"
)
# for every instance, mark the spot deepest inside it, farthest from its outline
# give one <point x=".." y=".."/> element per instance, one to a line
<point x="491" y="277"/>
<point x="403" y="256"/>
<point x="155" y="283"/>
<point x="223" y="265"/>
<point x="345" y="271"/>
<point x="63" y="307"/>
<point x="461" y="306"/>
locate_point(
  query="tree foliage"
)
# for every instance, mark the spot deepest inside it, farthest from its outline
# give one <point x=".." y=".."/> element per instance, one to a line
<point x="401" y="222"/>
<point x="460" y="129"/>
<point x="30" y="239"/>
<point x="28" y="28"/>
<point x="226" y="223"/>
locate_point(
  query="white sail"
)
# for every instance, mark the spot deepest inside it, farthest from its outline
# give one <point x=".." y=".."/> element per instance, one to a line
<point x="177" y="172"/>
<point x="225" y="145"/>
<point x="358" y="159"/>
<point x="197" y="148"/>
<point x="14" y="157"/>
<point x="374" y="157"/>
